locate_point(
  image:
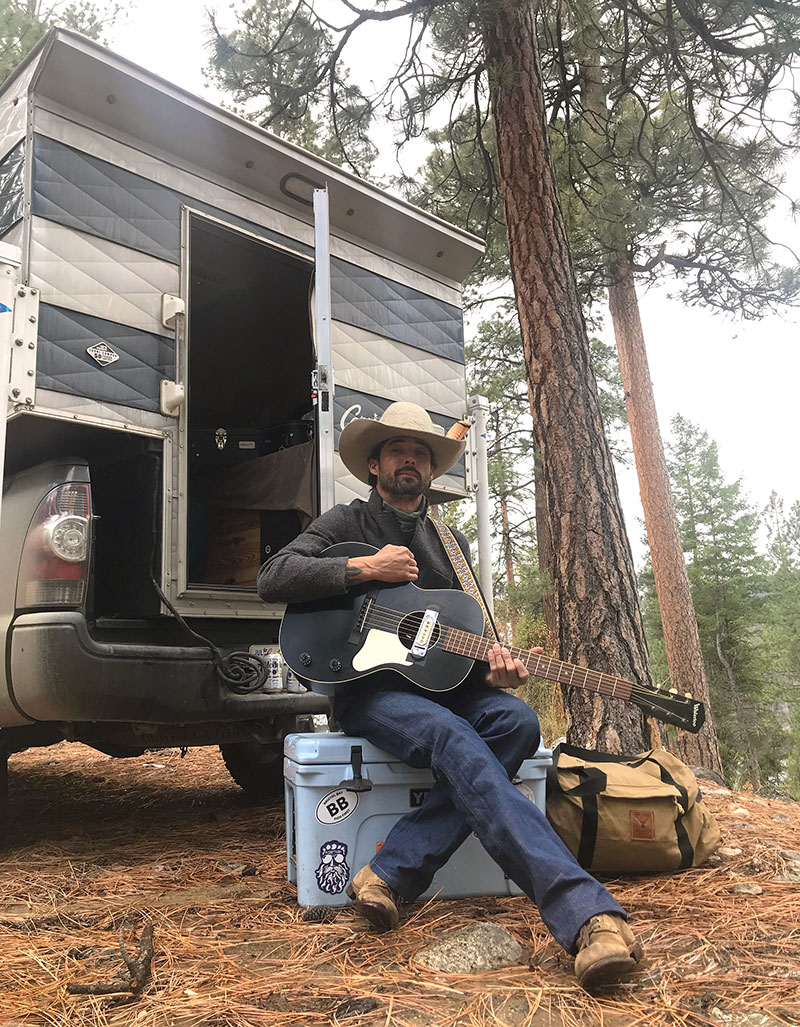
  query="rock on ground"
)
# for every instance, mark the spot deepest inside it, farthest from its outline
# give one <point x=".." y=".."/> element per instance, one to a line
<point x="476" y="949"/>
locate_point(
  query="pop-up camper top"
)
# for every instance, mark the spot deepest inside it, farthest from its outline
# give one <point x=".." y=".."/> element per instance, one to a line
<point x="193" y="310"/>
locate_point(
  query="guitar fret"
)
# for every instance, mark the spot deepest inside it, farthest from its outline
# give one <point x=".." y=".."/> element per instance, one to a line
<point x="464" y="643"/>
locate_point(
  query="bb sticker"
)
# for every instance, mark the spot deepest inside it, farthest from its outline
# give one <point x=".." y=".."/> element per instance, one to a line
<point x="333" y="873"/>
<point x="336" y="806"/>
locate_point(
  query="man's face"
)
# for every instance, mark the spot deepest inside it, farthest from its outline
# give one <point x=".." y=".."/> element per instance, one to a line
<point x="403" y="468"/>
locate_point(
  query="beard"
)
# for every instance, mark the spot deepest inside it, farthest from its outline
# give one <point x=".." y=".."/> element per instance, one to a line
<point x="405" y="484"/>
<point x="332" y="877"/>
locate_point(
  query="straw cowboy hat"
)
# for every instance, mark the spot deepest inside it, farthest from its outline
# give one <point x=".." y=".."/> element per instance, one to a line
<point x="361" y="435"/>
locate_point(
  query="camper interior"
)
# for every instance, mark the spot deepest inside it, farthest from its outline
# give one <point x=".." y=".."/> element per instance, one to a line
<point x="252" y="480"/>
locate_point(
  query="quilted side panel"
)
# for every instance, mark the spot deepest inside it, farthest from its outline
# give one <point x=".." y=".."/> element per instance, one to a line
<point x="12" y="169"/>
<point x="14" y="109"/>
<point x="366" y="300"/>
<point x="367" y="363"/>
<point x="14" y="235"/>
<point x="101" y="278"/>
<point x="80" y="191"/>
<point x="64" y="365"/>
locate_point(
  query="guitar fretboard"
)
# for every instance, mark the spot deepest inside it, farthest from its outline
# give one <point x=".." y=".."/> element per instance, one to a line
<point x="477" y="647"/>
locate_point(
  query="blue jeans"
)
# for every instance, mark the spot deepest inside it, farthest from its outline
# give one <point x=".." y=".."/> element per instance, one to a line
<point x="474" y="739"/>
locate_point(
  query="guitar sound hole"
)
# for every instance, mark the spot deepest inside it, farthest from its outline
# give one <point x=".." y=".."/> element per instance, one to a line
<point x="409" y="626"/>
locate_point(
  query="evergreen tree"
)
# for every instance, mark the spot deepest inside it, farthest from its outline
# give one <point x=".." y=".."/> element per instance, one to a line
<point x="780" y="637"/>
<point x="718" y="528"/>
<point x="23" y="24"/>
<point x="669" y="161"/>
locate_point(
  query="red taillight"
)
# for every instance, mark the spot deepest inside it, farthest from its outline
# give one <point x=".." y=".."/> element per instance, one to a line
<point x="55" y="557"/>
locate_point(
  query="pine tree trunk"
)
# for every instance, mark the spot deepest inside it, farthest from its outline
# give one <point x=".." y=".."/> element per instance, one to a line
<point x="685" y="658"/>
<point x="595" y="606"/>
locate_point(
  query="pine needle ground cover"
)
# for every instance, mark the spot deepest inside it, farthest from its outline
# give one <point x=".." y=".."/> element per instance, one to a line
<point x="157" y="880"/>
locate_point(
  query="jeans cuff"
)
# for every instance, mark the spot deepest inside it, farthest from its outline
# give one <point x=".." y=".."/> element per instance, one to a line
<point x="392" y="881"/>
<point x="614" y="910"/>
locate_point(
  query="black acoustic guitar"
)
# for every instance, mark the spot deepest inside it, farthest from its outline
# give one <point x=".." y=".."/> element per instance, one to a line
<point x="432" y="638"/>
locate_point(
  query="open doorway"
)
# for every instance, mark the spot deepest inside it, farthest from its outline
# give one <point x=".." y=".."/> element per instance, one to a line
<point x="252" y="483"/>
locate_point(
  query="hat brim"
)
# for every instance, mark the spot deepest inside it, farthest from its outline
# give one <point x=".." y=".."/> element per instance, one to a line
<point x="360" y="436"/>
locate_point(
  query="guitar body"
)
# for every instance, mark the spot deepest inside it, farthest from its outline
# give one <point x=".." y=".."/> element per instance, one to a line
<point x="373" y="627"/>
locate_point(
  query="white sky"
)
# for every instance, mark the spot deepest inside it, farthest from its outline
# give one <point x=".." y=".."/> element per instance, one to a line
<point x="739" y="382"/>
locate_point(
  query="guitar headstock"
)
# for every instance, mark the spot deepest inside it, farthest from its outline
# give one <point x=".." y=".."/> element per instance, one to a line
<point x="669" y="706"/>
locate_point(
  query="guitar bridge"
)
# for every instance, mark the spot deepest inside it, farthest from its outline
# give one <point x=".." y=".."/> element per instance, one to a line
<point x="358" y="628"/>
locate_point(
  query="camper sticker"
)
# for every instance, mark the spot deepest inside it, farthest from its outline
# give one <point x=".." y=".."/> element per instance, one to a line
<point x="336" y="806"/>
<point x="103" y="354"/>
<point x="4" y="309"/>
<point x="333" y="872"/>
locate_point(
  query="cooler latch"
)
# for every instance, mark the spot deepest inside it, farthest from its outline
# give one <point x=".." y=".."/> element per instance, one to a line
<point x="357" y="783"/>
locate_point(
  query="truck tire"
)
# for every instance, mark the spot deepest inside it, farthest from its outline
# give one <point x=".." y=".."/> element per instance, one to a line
<point x="255" y="767"/>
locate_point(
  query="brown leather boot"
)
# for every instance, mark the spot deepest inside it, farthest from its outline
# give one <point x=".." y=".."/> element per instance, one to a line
<point x="606" y="949"/>
<point x="374" y="899"/>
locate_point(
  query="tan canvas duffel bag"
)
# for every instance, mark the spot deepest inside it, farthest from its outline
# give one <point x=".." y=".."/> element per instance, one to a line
<point x="629" y="813"/>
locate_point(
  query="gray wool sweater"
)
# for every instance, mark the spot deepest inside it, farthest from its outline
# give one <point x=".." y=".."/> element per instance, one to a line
<point x="297" y="574"/>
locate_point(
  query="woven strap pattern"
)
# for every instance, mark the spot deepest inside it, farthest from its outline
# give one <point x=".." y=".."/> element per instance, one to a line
<point x="463" y="571"/>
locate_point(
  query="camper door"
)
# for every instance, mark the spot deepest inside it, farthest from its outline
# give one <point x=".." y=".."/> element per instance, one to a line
<point x="251" y="423"/>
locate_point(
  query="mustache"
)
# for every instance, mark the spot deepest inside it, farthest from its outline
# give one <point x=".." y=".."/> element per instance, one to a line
<point x="408" y="470"/>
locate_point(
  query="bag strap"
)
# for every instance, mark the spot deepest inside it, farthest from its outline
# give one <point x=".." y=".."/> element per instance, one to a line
<point x="593" y="756"/>
<point x="591" y="782"/>
<point x="464" y="573"/>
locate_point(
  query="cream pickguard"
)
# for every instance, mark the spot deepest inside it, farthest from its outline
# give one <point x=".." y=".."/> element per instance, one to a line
<point x="380" y="648"/>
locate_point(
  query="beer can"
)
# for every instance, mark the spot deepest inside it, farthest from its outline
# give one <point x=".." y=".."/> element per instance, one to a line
<point x="274" y="672"/>
<point x="292" y="684"/>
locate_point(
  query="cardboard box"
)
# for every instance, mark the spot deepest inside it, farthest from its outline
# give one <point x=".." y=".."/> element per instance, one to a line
<point x="234" y="547"/>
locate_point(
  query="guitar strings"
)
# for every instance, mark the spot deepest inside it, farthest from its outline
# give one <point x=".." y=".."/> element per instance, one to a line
<point x="386" y="617"/>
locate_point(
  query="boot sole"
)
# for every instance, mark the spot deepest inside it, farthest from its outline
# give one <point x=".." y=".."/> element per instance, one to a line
<point x="606" y="971"/>
<point x="376" y="915"/>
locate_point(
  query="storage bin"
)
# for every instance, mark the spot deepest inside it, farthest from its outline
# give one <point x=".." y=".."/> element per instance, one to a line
<point x="333" y="830"/>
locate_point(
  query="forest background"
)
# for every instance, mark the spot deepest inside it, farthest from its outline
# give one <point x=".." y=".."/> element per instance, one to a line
<point x="724" y="388"/>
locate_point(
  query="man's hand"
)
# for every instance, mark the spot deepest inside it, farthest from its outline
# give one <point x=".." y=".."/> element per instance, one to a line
<point x="392" y="563"/>
<point x="504" y="670"/>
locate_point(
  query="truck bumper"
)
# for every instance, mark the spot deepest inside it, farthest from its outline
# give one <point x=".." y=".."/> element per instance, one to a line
<point x="58" y="672"/>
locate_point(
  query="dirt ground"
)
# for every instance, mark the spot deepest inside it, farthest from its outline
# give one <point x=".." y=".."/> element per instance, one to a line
<point x="100" y="848"/>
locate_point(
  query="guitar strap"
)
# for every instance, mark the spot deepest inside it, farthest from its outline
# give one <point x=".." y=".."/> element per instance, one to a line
<point x="464" y="573"/>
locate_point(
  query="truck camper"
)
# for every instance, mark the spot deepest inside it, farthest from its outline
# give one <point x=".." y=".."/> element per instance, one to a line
<point x="191" y="309"/>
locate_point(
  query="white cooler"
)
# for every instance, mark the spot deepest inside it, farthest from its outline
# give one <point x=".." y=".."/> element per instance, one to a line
<point x="333" y="829"/>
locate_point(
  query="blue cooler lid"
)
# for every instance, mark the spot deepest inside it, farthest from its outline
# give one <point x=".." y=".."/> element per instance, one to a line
<point x="335" y="746"/>
<point x="331" y="747"/>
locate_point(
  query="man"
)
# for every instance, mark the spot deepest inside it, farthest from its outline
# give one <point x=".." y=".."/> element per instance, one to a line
<point x="474" y="737"/>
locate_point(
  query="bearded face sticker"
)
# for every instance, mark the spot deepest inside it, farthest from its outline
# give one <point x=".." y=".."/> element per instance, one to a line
<point x="333" y="873"/>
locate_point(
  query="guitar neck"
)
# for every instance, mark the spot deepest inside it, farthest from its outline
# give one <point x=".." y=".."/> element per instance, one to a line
<point x="477" y="648"/>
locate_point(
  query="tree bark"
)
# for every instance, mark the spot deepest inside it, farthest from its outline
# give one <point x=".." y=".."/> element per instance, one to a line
<point x="595" y="605"/>
<point x="681" y="638"/>
<point x="684" y="655"/>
